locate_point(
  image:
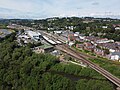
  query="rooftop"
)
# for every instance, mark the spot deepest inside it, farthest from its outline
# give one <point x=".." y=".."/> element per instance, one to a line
<point x="33" y="33"/>
<point x="116" y="53"/>
<point x="45" y="46"/>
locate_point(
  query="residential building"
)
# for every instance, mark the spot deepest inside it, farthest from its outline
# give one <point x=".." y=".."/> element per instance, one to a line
<point x="58" y="32"/>
<point x="104" y="27"/>
<point x="112" y="47"/>
<point x="89" y="46"/>
<point x="104" y="40"/>
<point x="81" y="36"/>
<point x="99" y="51"/>
<point x="117" y="28"/>
<point x="80" y="46"/>
<point x="115" y="56"/>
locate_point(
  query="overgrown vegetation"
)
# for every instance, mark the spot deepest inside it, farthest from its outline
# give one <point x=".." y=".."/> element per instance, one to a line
<point x="113" y="68"/>
<point x="21" y="69"/>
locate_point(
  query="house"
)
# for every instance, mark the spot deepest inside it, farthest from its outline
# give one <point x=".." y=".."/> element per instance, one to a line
<point x="92" y="39"/>
<point x="79" y="40"/>
<point x="50" y="28"/>
<point x="104" y="40"/>
<point x="112" y="47"/>
<point x="117" y="28"/>
<point x="58" y="32"/>
<point x="81" y="36"/>
<point x="71" y="27"/>
<point x="76" y="35"/>
<point x="116" y="25"/>
<point x="99" y="51"/>
<point x="89" y="46"/>
<point x="115" y="56"/>
<point x="81" y="46"/>
<point x="118" y="43"/>
<point x="104" y="27"/>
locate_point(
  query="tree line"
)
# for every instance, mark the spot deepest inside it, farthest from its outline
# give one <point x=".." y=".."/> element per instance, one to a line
<point x="21" y="69"/>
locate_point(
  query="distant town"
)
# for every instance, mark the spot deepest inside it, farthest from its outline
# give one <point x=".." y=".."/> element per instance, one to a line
<point x="86" y="42"/>
<point x="98" y="43"/>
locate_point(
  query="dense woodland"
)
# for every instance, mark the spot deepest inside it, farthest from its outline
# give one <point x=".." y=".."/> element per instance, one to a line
<point x="21" y="69"/>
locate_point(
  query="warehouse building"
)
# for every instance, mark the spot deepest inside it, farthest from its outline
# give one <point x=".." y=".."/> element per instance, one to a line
<point x="34" y="35"/>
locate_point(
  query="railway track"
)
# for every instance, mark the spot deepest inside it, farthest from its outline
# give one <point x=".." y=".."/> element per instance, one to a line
<point x="82" y="58"/>
<point x="102" y="71"/>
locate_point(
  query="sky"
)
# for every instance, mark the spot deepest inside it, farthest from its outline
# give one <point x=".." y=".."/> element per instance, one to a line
<point x="59" y="8"/>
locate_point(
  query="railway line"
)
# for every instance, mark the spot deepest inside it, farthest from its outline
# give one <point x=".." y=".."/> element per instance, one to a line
<point x="81" y="57"/>
<point x="102" y="71"/>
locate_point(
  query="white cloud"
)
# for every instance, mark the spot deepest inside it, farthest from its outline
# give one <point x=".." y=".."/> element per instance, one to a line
<point x="18" y="5"/>
<point x="43" y="8"/>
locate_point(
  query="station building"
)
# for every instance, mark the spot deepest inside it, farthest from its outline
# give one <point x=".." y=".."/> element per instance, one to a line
<point x="34" y="35"/>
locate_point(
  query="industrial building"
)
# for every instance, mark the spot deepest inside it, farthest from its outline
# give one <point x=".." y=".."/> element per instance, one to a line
<point x="43" y="49"/>
<point x="34" y="35"/>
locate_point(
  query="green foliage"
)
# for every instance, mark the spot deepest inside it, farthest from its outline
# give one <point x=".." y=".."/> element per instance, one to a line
<point x="71" y="69"/>
<point x="90" y="79"/>
<point x="21" y="69"/>
<point x="110" y="66"/>
<point x="93" y="85"/>
<point x="76" y="70"/>
<point x="3" y="26"/>
<point x="56" y="82"/>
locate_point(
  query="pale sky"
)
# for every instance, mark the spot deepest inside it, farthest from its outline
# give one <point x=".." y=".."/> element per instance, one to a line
<point x="49" y="8"/>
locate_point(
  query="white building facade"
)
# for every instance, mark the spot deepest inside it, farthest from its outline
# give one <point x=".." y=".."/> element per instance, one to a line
<point x="34" y="35"/>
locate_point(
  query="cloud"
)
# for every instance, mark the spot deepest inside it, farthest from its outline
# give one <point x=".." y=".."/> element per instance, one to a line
<point x="95" y="3"/>
<point x="49" y="8"/>
<point x="79" y="8"/>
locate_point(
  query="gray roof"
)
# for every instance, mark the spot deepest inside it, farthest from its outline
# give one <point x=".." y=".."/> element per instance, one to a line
<point x="116" y="53"/>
